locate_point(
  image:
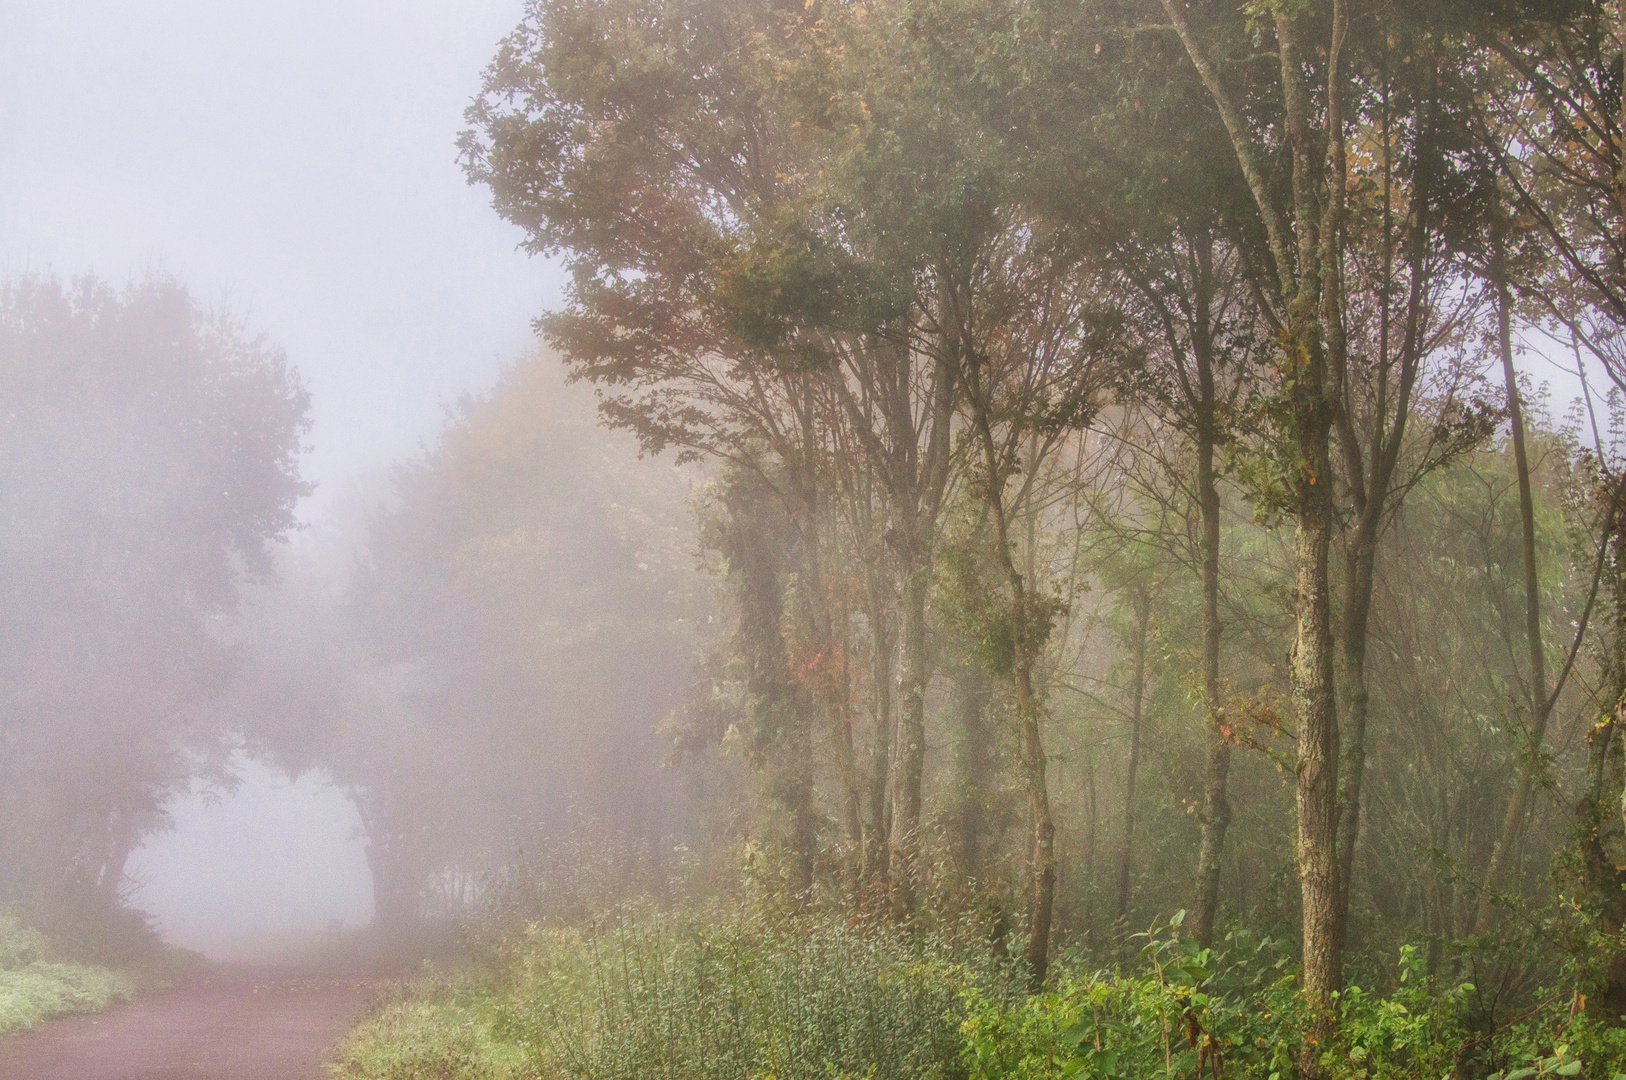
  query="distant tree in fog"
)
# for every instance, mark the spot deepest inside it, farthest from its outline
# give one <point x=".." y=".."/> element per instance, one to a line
<point x="513" y="632"/>
<point x="148" y="461"/>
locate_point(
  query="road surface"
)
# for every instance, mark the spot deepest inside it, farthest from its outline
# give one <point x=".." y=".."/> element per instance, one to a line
<point x="235" y="1023"/>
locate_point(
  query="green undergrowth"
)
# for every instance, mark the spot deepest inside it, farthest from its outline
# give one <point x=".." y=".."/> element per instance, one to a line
<point x="699" y="996"/>
<point x="1236" y="1012"/>
<point x="34" y="989"/>
<point x="41" y="977"/>
<point x="747" y="997"/>
<point x="38" y="991"/>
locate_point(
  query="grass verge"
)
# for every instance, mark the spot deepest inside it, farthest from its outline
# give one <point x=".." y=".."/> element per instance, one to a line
<point x="40" y="980"/>
<point x="684" y="996"/>
<point x="38" y="991"/>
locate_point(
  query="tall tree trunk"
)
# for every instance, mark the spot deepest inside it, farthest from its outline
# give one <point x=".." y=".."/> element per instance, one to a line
<point x="911" y="748"/>
<point x="1042" y="849"/>
<point x="851" y="797"/>
<point x="1215" y="813"/>
<point x="1315" y="709"/>
<point x="1370" y="489"/>
<point x="919" y="482"/>
<point x="1314" y="365"/>
<point x="1137" y="698"/>
<point x="797" y="792"/>
<point x="1358" y="575"/>
<point x="878" y="848"/>
<point x="1042" y="905"/>
<point x="1518" y="804"/>
<point x="122" y="843"/>
<point x="974" y="765"/>
<point x="1603" y="879"/>
<point x="397" y="883"/>
<point x="829" y="632"/>
<point x="1091" y="823"/>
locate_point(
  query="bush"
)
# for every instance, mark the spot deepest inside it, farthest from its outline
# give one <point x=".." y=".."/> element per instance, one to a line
<point x="1237" y="1012"/>
<point x="19" y="944"/>
<point x="690" y="997"/>
<point x="448" y="1037"/>
<point x="1183" y="1012"/>
<point x="817" y="997"/>
<point x="33" y="994"/>
<point x="36" y="985"/>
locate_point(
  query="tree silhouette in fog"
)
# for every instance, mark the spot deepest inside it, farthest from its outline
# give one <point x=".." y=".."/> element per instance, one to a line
<point x="148" y="459"/>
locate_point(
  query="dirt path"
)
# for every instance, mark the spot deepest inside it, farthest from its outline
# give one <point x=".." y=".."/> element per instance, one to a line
<point x="237" y="1023"/>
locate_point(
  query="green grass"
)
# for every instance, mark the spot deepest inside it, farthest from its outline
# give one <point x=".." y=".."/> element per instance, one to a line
<point x="432" y="1039"/>
<point x="36" y="992"/>
<point x="682" y="997"/>
<point x="33" y="989"/>
<point x="712" y="996"/>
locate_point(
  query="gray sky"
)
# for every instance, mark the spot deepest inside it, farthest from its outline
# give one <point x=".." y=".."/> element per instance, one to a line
<point x="293" y="159"/>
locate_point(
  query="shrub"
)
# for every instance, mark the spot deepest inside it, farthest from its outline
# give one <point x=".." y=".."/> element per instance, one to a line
<point x="39" y="990"/>
<point x="19" y="944"/>
<point x="35" y="985"/>
<point x="691" y="997"/>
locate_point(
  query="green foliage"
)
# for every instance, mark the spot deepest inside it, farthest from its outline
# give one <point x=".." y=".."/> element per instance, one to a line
<point x="35" y="993"/>
<point x="690" y="996"/>
<point x="975" y="610"/>
<point x="19" y="944"/>
<point x="448" y="1037"/>
<point x="1183" y="1010"/>
<point x="1237" y="1012"/>
<point x="34" y="989"/>
<point x="695" y="996"/>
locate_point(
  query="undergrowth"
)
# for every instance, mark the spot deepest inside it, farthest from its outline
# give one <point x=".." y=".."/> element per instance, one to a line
<point x="688" y="997"/>
<point x="33" y="988"/>
<point x="715" y="995"/>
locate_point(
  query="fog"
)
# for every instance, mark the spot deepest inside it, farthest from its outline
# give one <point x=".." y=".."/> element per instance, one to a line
<point x="984" y="509"/>
<point x="331" y="603"/>
<point x="271" y="866"/>
<point x="292" y="163"/>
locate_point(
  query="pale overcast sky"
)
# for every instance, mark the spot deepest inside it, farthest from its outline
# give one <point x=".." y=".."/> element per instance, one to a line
<point x="293" y="159"/>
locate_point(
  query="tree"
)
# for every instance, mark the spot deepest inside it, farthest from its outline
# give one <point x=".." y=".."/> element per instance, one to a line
<point x="148" y="465"/>
<point x="1301" y="218"/>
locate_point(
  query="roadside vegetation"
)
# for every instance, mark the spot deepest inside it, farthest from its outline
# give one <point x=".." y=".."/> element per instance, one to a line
<point x="730" y="992"/>
<point x="42" y="978"/>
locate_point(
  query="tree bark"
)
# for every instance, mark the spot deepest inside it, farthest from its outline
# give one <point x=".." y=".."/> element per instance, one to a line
<point x="910" y="754"/>
<point x="1137" y="697"/>
<point x="1042" y="857"/>
<point x="1518" y="804"/>
<point x="1317" y="297"/>
<point x="974" y="764"/>
<point x="878" y="848"/>
<point x="1215" y="813"/>
<point x="1315" y="709"/>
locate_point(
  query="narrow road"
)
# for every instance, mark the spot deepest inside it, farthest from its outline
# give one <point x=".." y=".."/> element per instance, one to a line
<point x="236" y="1023"/>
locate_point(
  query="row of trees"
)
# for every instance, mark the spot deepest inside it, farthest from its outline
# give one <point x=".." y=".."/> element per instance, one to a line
<point x="1138" y="356"/>
<point x="477" y="649"/>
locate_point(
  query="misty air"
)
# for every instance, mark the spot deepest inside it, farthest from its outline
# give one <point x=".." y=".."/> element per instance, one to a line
<point x="828" y="540"/>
